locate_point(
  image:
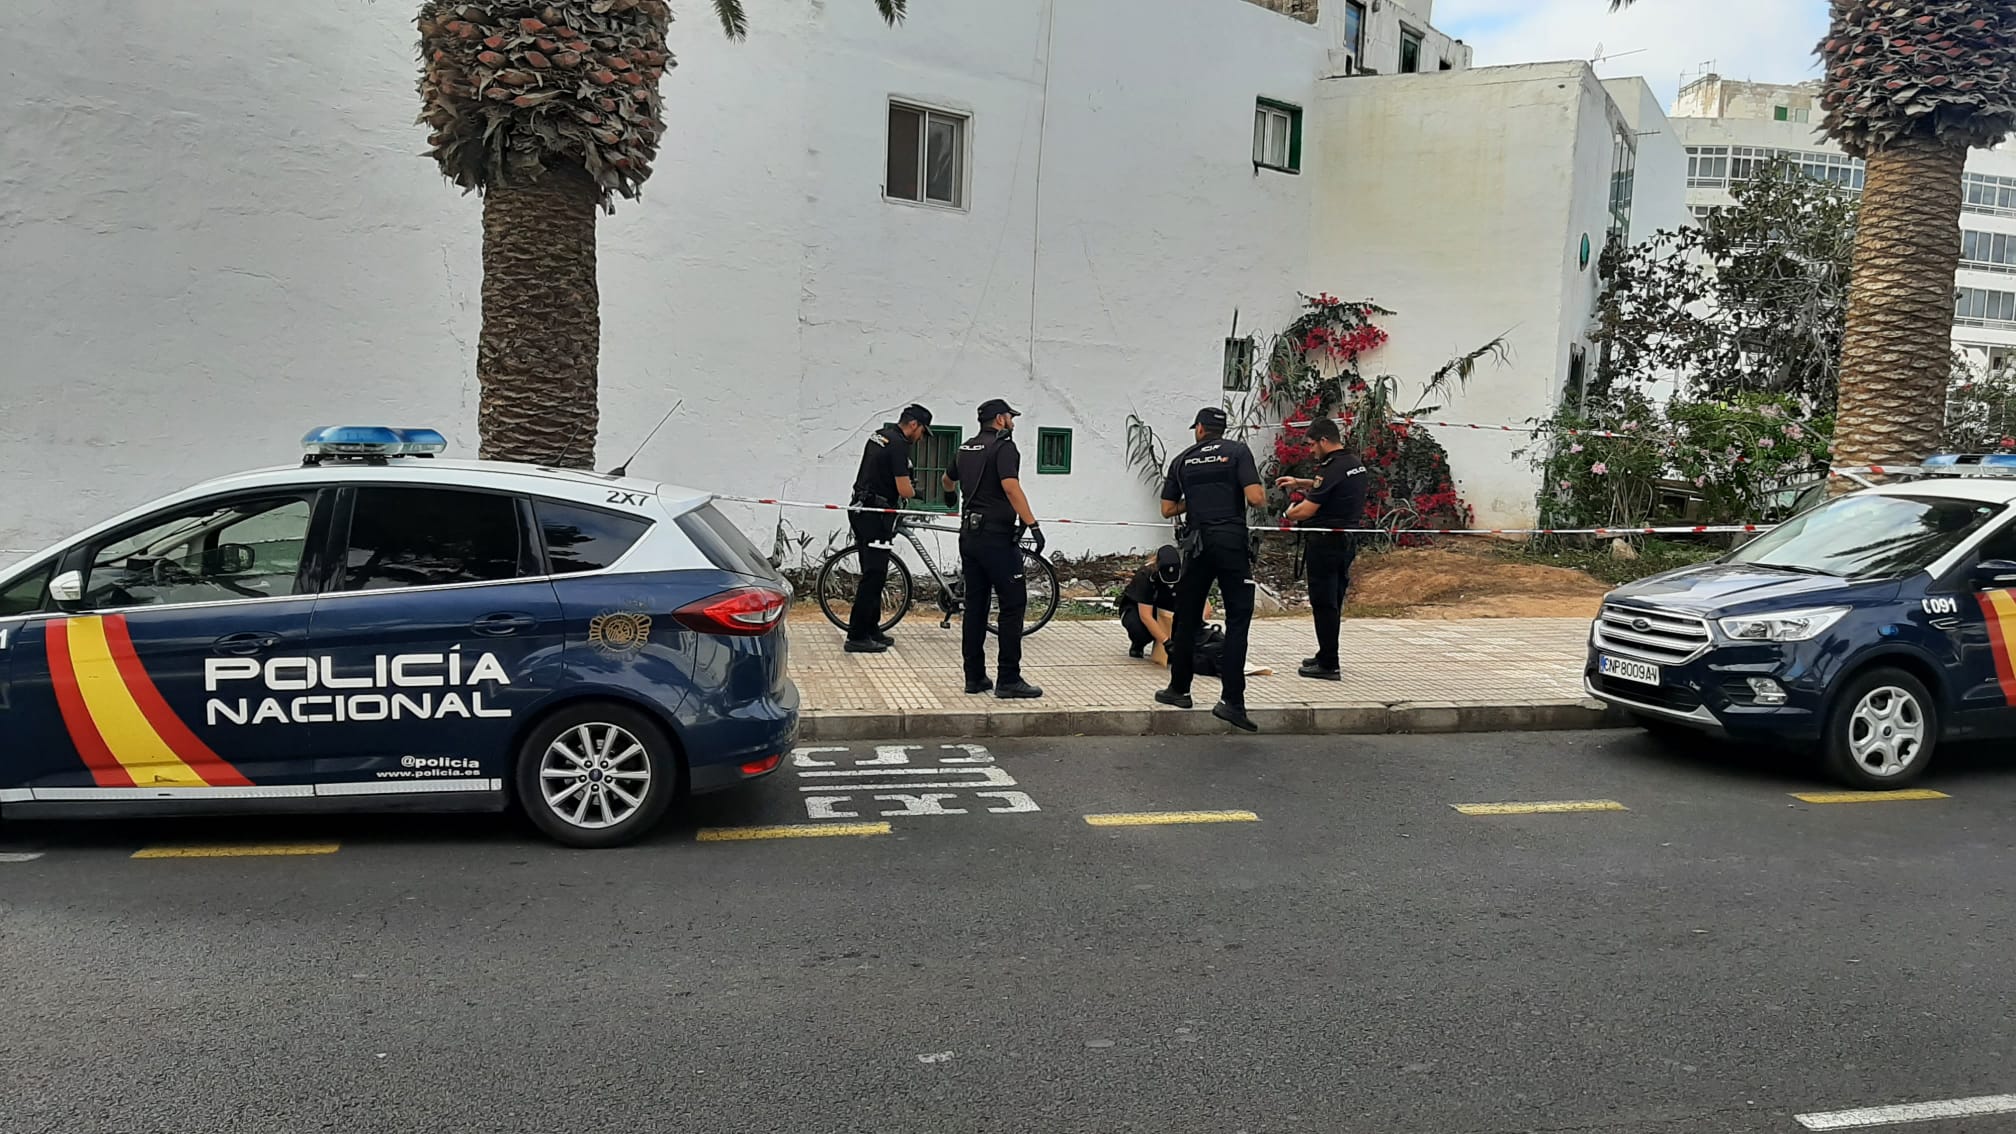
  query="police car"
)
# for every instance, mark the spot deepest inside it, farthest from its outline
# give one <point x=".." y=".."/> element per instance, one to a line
<point x="1873" y="627"/>
<point x="381" y="629"/>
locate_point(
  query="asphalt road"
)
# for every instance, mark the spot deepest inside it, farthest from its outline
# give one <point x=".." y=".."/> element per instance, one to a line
<point x="1717" y="957"/>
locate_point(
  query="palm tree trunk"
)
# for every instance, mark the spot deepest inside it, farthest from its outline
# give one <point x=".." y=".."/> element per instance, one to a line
<point x="1896" y="355"/>
<point x="542" y="323"/>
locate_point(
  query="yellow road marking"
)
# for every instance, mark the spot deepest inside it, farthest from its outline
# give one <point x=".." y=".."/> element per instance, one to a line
<point x="1868" y="796"/>
<point x="799" y="831"/>
<point x="1169" y="818"/>
<point x="245" y="850"/>
<point x="1546" y="807"/>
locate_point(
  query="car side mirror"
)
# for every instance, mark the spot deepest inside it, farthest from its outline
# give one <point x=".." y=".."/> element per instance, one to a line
<point x="67" y="589"/>
<point x="1994" y="574"/>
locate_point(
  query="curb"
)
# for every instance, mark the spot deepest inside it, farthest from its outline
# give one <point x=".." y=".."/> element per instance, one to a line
<point x="1369" y="718"/>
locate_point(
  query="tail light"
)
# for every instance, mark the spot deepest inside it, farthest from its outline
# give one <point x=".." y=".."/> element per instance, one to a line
<point x="744" y="612"/>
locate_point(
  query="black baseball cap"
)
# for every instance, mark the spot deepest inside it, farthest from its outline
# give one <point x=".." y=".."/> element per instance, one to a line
<point x="1168" y="562"/>
<point x="1325" y="429"/>
<point x="916" y="413"/>
<point x="1211" y="417"/>
<point x="995" y="407"/>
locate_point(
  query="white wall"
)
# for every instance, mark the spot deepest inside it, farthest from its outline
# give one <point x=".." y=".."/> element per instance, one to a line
<point x="219" y="233"/>
<point x="1459" y="200"/>
<point x="1659" y="191"/>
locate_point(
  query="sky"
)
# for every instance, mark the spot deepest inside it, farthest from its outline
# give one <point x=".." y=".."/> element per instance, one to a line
<point x="1766" y="41"/>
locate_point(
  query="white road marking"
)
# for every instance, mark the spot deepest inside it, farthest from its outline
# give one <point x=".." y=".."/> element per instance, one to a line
<point x="802" y="757"/>
<point x="821" y="807"/>
<point x="930" y="803"/>
<point x="1908" y="1112"/>
<point x="19" y="856"/>
<point x="975" y="754"/>
<point x="886" y="777"/>
<point x="989" y="776"/>
<point x="1017" y="802"/>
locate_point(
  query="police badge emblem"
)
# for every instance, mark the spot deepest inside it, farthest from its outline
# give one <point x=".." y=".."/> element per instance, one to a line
<point x="620" y="632"/>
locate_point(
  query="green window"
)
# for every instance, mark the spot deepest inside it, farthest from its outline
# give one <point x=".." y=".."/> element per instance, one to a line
<point x="1053" y="451"/>
<point x="1781" y="113"/>
<point x="931" y="456"/>
<point x="1277" y="136"/>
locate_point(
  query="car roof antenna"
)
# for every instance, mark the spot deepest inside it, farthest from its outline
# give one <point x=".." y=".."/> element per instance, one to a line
<point x="624" y="468"/>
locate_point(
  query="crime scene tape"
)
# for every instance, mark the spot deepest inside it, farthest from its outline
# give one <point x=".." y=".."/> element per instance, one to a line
<point x="1285" y="528"/>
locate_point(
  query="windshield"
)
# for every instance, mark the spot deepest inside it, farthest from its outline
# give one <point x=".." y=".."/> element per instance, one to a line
<point x="1868" y="536"/>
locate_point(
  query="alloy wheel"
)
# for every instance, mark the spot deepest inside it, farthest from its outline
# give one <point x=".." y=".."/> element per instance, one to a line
<point x="595" y="775"/>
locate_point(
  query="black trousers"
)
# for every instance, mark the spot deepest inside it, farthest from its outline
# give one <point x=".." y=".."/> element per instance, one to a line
<point x="870" y="529"/>
<point x="1138" y="637"/>
<point x="992" y="564"/>
<point x="1224" y="559"/>
<point x="1327" y="559"/>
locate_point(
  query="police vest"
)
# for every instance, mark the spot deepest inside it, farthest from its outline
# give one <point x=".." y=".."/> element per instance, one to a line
<point x="980" y="480"/>
<point x="1208" y="473"/>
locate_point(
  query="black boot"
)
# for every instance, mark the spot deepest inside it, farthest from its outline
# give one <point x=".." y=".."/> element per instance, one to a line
<point x="978" y="684"/>
<point x="1171" y="697"/>
<point x="865" y="646"/>
<point x="1234" y="715"/>
<point x="1017" y="690"/>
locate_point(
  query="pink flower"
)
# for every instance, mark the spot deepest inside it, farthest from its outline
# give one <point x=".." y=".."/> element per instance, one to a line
<point x="1566" y="485"/>
<point x="1767" y="443"/>
<point x="1769" y="411"/>
<point x="1600" y="469"/>
<point x="1794" y="432"/>
<point x="1700" y="480"/>
<point x="1630" y="427"/>
<point x="1575" y="448"/>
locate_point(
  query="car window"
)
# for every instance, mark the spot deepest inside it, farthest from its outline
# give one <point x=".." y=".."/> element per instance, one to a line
<point x="27" y="594"/>
<point x="426" y="537"/>
<point x="724" y="545"/>
<point x="210" y="552"/>
<point x="585" y="539"/>
<point x="1999" y="545"/>
<point x="1868" y="536"/>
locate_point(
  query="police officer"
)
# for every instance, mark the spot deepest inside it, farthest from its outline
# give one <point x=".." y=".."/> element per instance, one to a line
<point x="989" y="471"/>
<point x="1211" y="484"/>
<point x="1333" y="498"/>
<point x="881" y="482"/>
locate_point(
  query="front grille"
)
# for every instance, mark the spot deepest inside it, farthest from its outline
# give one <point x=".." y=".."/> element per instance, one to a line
<point x="1669" y="639"/>
<point x="1674" y="697"/>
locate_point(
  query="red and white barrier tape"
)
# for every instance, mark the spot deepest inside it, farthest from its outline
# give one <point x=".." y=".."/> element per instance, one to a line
<point x="1291" y="529"/>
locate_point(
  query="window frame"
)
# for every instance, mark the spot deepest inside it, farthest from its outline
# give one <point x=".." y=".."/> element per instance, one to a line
<point x="532" y="565"/>
<point x="308" y="574"/>
<point x="1417" y="40"/>
<point x="543" y="553"/>
<point x="1354" y="45"/>
<point x="925" y="483"/>
<point x="963" y="188"/>
<point x="46" y="572"/>
<point x="1267" y="110"/>
<point x="1049" y="433"/>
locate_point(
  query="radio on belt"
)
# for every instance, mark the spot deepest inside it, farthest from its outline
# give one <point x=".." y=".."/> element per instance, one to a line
<point x="370" y="443"/>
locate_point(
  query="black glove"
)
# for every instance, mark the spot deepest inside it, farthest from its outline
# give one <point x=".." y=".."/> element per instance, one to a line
<point x="952" y="500"/>
<point x="1035" y="533"/>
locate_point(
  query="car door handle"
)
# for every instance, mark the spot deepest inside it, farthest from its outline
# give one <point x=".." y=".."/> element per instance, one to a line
<point x="250" y="642"/>
<point x="502" y="624"/>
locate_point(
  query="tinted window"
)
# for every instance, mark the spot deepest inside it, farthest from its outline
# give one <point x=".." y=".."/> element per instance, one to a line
<point x="585" y="539"/>
<point x="25" y="595"/>
<point x="425" y="537"/>
<point x="210" y="552"/>
<point x="724" y="545"/>
<point x="1868" y="536"/>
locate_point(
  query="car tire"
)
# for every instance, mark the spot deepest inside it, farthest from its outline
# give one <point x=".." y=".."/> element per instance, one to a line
<point x="1882" y="730"/>
<point x="598" y="774"/>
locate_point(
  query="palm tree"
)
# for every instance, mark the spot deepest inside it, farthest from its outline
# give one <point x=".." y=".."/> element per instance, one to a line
<point x="549" y="109"/>
<point x="1910" y="87"/>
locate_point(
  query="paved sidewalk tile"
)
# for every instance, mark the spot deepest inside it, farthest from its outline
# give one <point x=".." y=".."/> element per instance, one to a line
<point x="1083" y="667"/>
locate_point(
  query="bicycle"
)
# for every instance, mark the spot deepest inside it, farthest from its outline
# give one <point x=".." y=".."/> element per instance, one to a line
<point x="840" y="578"/>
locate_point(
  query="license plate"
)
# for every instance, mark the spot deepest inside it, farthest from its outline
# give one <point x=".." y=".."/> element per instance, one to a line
<point x="1624" y="669"/>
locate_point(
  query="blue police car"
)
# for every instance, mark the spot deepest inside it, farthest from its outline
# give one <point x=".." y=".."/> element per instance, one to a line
<point x="380" y="629"/>
<point x="1872" y="627"/>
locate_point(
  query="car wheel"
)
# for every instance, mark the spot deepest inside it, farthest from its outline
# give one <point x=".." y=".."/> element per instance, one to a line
<point x="1882" y="730"/>
<point x="596" y="775"/>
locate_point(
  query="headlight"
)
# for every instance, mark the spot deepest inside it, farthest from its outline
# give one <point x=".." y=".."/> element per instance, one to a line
<point x="1790" y="626"/>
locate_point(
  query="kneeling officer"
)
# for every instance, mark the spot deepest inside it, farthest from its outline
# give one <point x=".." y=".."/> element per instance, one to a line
<point x="1211" y="484"/>
<point x="990" y="469"/>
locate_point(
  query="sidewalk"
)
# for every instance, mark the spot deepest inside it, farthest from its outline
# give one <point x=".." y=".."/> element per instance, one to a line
<point x="1474" y="675"/>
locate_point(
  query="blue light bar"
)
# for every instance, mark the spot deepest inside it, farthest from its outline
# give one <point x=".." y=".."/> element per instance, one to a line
<point x="372" y="441"/>
<point x="1971" y="461"/>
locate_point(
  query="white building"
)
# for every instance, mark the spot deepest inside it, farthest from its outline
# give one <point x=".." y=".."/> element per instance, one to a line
<point x="1732" y="129"/>
<point x="219" y="233"/>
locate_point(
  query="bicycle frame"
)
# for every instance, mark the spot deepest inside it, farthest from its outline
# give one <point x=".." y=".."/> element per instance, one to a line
<point x="951" y="588"/>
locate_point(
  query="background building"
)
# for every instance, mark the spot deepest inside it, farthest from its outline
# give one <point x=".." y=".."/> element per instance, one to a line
<point x="1732" y="129"/>
<point x="220" y="233"/>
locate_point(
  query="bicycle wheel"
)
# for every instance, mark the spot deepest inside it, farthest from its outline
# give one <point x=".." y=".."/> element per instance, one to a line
<point x="840" y="581"/>
<point x="1043" y="595"/>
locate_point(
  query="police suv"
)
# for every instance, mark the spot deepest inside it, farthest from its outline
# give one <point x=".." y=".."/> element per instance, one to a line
<point x="1874" y="626"/>
<point x="378" y="629"/>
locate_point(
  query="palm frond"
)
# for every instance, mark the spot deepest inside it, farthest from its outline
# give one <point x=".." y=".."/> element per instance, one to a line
<point x="892" y="11"/>
<point x="1144" y="450"/>
<point x="1460" y="368"/>
<point x="734" y="21"/>
<point x="1616" y="5"/>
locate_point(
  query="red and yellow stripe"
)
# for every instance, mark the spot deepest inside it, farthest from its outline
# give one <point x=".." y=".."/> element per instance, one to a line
<point x="2000" y="608"/>
<point x="120" y="724"/>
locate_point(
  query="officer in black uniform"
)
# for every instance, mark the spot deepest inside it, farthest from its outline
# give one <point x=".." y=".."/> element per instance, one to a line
<point x="1333" y="498"/>
<point x="1211" y="484"/>
<point x="883" y="480"/>
<point x="989" y="472"/>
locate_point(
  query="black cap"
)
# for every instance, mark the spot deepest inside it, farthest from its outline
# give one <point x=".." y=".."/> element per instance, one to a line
<point x="916" y="413"/>
<point x="1168" y="562"/>
<point x="1325" y="429"/>
<point x="995" y="407"/>
<point x="1211" y="417"/>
